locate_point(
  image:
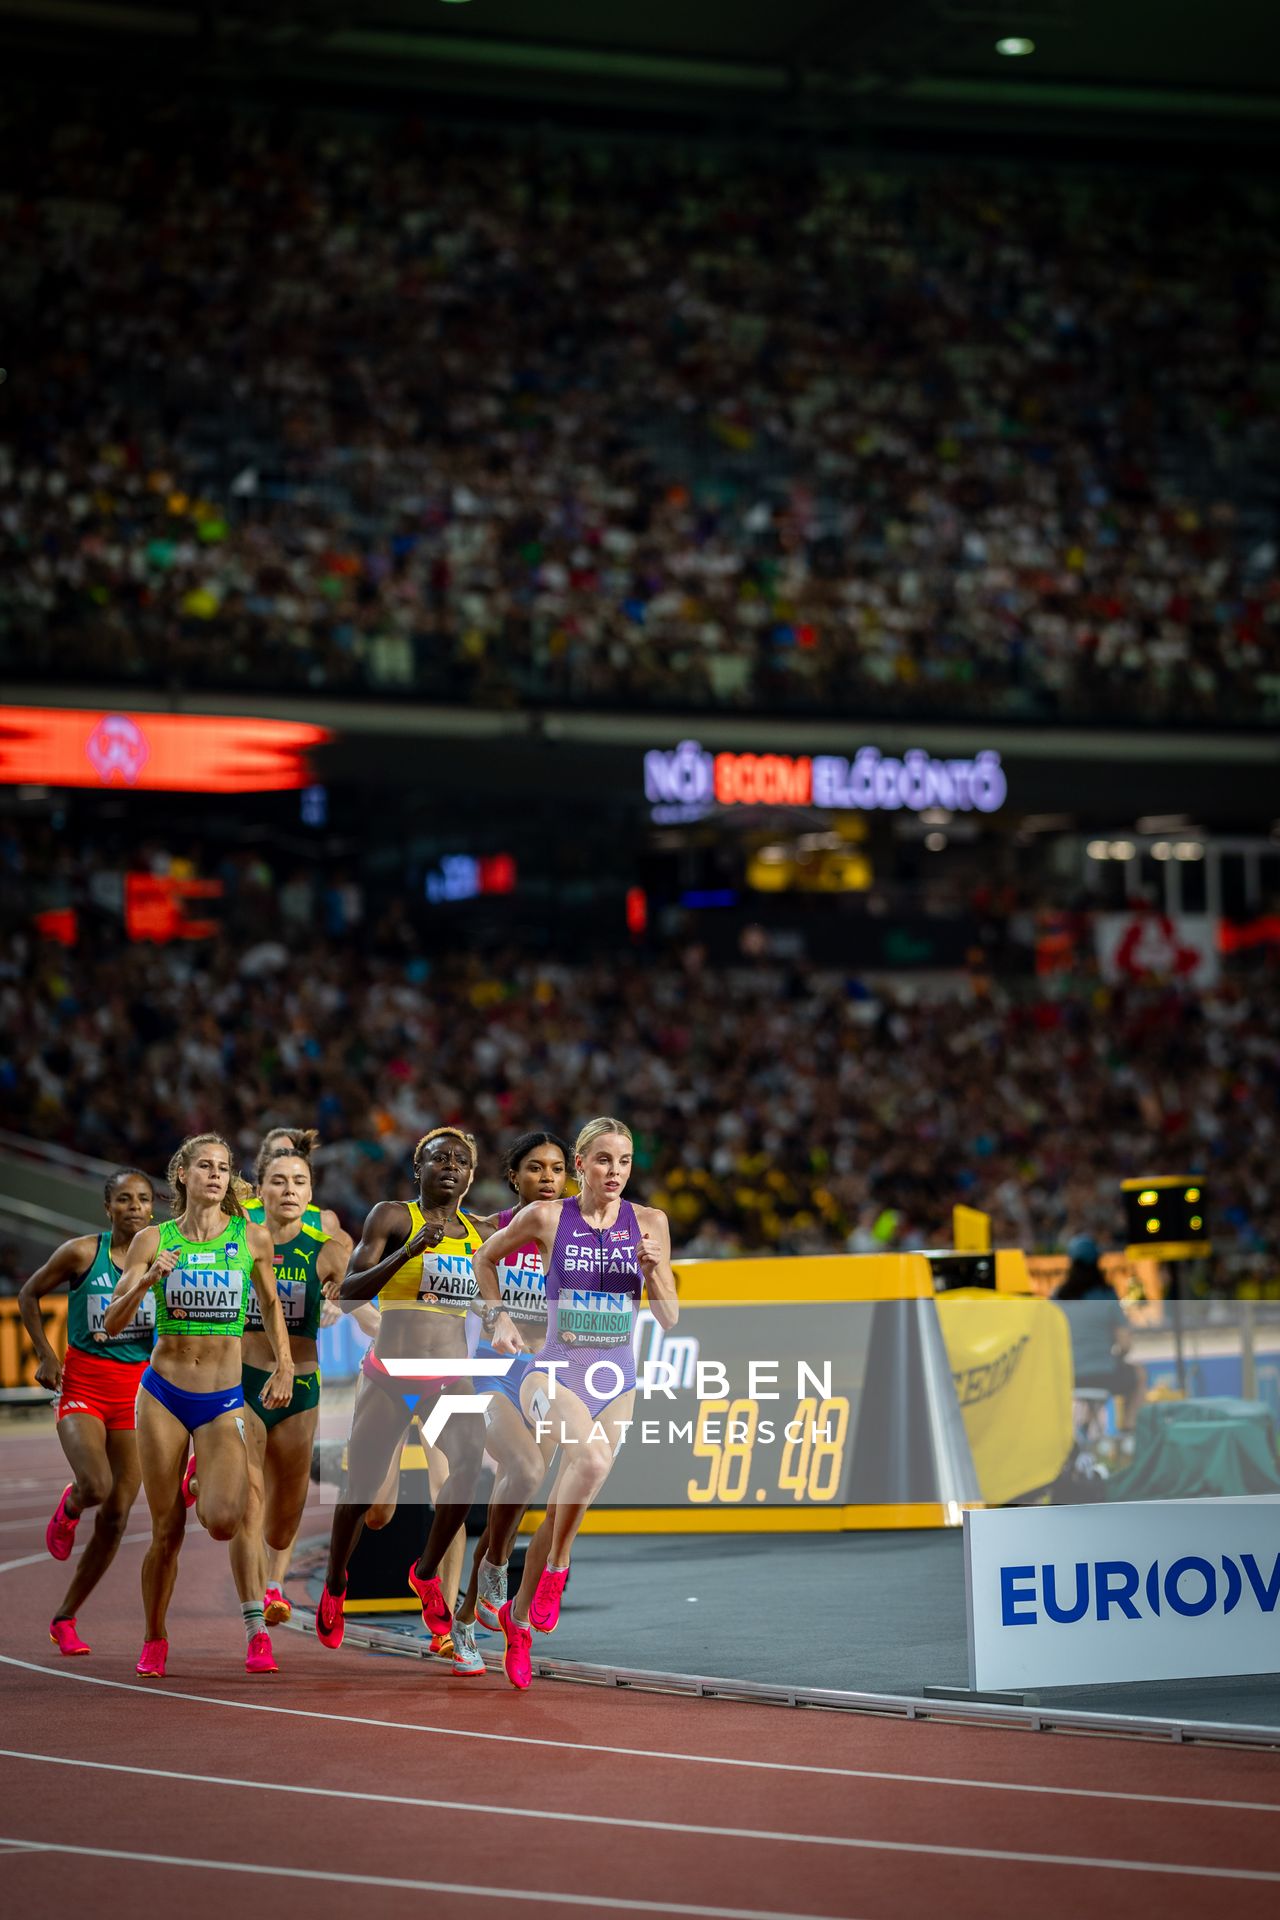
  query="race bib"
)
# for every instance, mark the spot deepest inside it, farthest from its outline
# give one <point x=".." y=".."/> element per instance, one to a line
<point x="593" y="1319"/>
<point x="141" y="1327"/>
<point x="203" y="1294"/>
<point x="291" y="1291"/>
<point x="523" y="1286"/>
<point x="448" y="1280"/>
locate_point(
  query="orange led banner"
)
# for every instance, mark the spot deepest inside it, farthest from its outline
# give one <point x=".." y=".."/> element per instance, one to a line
<point x="174" y="753"/>
<point x="155" y="907"/>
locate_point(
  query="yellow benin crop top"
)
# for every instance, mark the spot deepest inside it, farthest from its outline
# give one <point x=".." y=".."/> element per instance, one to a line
<point x="438" y="1281"/>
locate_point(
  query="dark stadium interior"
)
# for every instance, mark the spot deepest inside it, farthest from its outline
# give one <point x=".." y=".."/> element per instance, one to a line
<point x="327" y="403"/>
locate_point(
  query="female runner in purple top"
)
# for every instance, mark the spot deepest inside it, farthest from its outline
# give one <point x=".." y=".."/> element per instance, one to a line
<point x="599" y="1254"/>
<point x="536" y="1166"/>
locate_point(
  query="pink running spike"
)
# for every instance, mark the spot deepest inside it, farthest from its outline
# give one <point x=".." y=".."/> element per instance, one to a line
<point x="436" y="1611"/>
<point x="189" y="1498"/>
<point x="544" y="1610"/>
<point x="259" y="1657"/>
<point x="65" y="1638"/>
<point x="60" y="1534"/>
<point x="330" y="1624"/>
<point x="515" y="1661"/>
<point x="152" y="1659"/>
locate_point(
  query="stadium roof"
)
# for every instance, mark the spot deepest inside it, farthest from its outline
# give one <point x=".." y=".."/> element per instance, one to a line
<point x="821" y="65"/>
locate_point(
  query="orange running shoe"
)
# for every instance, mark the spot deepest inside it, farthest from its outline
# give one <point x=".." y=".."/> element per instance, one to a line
<point x="60" y="1534"/>
<point x="278" y="1607"/>
<point x="64" y="1636"/>
<point x="151" y="1661"/>
<point x="436" y="1611"/>
<point x="516" y="1662"/>
<point x="330" y="1624"/>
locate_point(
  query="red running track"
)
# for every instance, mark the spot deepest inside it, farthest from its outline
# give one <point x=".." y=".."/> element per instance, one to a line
<point x="349" y="1771"/>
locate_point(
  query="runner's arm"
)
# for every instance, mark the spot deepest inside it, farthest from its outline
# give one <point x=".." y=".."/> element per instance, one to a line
<point x="278" y="1391"/>
<point x="331" y="1268"/>
<point x="144" y="1265"/>
<point x="69" y="1262"/>
<point x="371" y="1266"/>
<point x="655" y="1264"/>
<point x="336" y="1232"/>
<point x="535" y="1222"/>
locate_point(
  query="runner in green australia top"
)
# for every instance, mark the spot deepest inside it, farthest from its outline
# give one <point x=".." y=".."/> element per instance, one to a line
<point x="198" y="1267"/>
<point x="97" y="1386"/>
<point x="303" y="1141"/>
<point x="279" y="1439"/>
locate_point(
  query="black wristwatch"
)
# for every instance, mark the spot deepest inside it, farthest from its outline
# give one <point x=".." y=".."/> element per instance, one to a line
<point x="489" y="1315"/>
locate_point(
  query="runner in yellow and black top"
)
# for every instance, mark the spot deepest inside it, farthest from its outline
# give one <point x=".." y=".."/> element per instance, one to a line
<point x="198" y="1268"/>
<point x="97" y="1386"/>
<point x="414" y="1257"/>
<point x="279" y="1439"/>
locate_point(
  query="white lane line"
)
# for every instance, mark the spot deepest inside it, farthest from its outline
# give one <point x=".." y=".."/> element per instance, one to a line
<point x="153" y="1691"/>
<point x="598" y="1902"/>
<point x="35" y="1559"/>
<point x="31" y="1560"/>
<point x="495" y="1810"/>
<point x="1005" y="1855"/>
<point x="487" y="1810"/>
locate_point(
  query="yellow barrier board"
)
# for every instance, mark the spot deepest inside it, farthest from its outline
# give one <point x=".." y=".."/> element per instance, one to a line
<point x="898" y="1516"/>
<point x="816" y="1279"/>
<point x="17" y="1355"/>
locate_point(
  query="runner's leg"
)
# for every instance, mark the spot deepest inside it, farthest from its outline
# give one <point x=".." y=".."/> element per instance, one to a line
<point x="523" y="1463"/>
<point x="83" y="1438"/>
<point x="222" y="1463"/>
<point x="110" y="1521"/>
<point x="462" y="1444"/>
<point x="162" y="1455"/>
<point x="465" y="1611"/>
<point x="287" y="1480"/>
<point x="377" y="1431"/>
<point x="584" y="1473"/>
<point x="248" y="1551"/>
<point x="451" y="1564"/>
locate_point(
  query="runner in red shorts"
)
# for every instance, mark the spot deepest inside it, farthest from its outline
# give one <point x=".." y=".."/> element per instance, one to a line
<point x="97" y="1386"/>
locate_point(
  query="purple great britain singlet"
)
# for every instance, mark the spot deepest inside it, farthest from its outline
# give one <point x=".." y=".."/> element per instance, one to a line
<point x="594" y="1285"/>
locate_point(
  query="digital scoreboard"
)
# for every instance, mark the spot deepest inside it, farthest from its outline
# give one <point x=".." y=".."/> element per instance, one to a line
<point x="791" y="1395"/>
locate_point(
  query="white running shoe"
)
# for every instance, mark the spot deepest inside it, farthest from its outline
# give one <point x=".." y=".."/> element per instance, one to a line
<point x="491" y="1595"/>
<point x="466" y="1658"/>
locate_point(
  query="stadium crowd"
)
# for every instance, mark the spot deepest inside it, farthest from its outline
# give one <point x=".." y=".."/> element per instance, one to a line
<point x="339" y="408"/>
<point x="774" y="1107"/>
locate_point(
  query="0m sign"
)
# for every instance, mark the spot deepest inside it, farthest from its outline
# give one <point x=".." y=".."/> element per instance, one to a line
<point x="1142" y="1590"/>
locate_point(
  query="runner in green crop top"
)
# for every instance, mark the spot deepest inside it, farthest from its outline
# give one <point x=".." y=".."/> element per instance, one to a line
<point x="280" y="1439"/>
<point x="197" y="1266"/>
